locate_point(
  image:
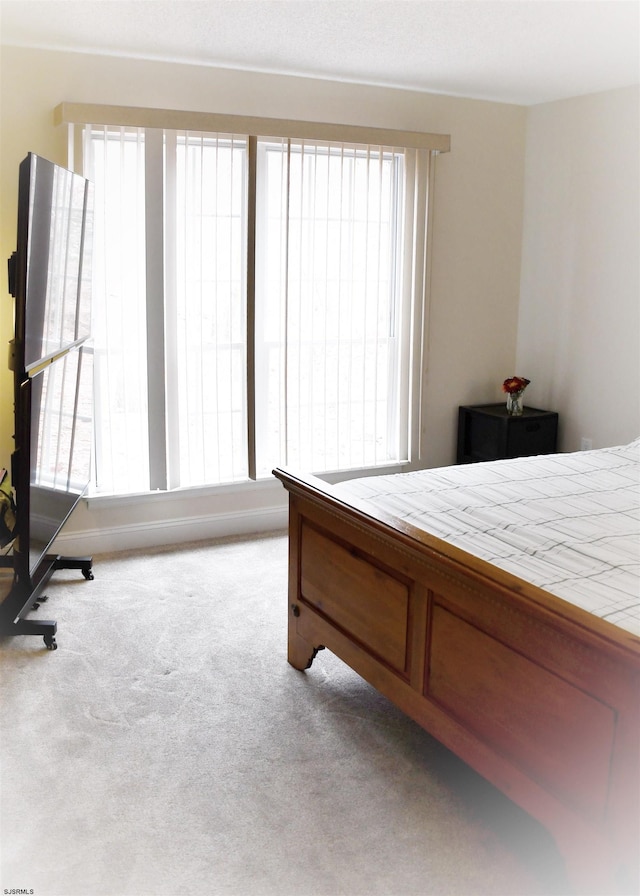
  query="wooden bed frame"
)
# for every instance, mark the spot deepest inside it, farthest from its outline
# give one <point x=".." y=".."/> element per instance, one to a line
<point x="538" y="696"/>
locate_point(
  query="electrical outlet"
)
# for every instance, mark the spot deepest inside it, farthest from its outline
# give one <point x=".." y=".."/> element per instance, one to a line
<point x="586" y="444"/>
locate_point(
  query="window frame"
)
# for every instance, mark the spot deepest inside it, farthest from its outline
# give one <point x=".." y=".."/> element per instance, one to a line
<point x="426" y="146"/>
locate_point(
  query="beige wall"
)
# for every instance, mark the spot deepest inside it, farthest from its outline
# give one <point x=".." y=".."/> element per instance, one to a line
<point x="579" y="327"/>
<point x="478" y="202"/>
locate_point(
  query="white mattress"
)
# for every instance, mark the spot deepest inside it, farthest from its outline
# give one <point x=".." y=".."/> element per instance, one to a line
<point x="568" y="523"/>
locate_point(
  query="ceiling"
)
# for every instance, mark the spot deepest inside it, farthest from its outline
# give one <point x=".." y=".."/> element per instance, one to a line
<point x="514" y="51"/>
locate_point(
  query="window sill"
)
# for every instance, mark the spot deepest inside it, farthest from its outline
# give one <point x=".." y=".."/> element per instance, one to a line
<point x="248" y="486"/>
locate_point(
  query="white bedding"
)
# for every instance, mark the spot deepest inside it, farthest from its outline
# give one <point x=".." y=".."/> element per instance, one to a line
<point x="569" y="523"/>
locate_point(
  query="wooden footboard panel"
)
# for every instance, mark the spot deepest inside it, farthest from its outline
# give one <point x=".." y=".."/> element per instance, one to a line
<point x="532" y="693"/>
<point x="515" y="704"/>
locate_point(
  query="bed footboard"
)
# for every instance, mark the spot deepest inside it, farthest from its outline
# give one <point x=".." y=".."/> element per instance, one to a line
<point x="532" y="693"/>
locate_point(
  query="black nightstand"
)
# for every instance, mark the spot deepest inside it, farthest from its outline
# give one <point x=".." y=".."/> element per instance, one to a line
<point x="487" y="432"/>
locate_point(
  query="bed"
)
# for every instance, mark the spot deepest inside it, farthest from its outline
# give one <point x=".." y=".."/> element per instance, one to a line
<point x="528" y="671"/>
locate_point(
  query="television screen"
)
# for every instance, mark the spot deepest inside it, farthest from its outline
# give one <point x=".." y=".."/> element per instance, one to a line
<point x="61" y="403"/>
<point x="56" y="212"/>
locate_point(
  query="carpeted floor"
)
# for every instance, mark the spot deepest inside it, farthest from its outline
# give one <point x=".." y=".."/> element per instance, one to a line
<point x="167" y="748"/>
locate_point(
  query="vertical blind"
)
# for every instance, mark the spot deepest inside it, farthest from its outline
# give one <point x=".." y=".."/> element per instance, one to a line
<point x="331" y="338"/>
<point x="208" y="317"/>
<point x="114" y="160"/>
<point x="321" y="351"/>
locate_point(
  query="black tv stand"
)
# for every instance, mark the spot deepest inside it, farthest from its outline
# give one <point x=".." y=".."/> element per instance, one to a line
<point x="27" y="596"/>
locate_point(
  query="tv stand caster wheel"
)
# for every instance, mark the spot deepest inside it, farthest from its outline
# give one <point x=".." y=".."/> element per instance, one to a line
<point x="50" y="642"/>
<point x="88" y="574"/>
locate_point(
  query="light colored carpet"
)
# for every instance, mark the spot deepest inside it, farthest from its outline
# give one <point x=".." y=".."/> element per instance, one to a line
<point x="167" y="748"/>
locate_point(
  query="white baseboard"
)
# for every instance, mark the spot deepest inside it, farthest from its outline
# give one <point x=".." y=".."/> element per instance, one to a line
<point x="166" y="532"/>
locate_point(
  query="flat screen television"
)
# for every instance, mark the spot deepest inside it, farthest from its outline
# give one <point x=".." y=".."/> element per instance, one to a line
<point x="50" y="271"/>
<point x="50" y="278"/>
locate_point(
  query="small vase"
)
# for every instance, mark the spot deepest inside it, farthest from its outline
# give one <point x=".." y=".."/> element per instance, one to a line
<point x="514" y="404"/>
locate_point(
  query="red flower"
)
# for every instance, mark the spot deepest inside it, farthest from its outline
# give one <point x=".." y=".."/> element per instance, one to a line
<point x="515" y="384"/>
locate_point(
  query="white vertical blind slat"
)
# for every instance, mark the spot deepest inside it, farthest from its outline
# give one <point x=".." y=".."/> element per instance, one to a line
<point x="286" y="317"/>
<point x="172" y="334"/>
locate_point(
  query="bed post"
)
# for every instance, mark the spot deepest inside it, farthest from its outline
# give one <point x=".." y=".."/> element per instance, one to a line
<point x="301" y="653"/>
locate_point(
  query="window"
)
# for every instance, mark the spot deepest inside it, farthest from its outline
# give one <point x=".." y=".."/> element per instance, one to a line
<point x="207" y="338"/>
<point x="258" y="301"/>
<point x="332" y="344"/>
<point x="116" y="166"/>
